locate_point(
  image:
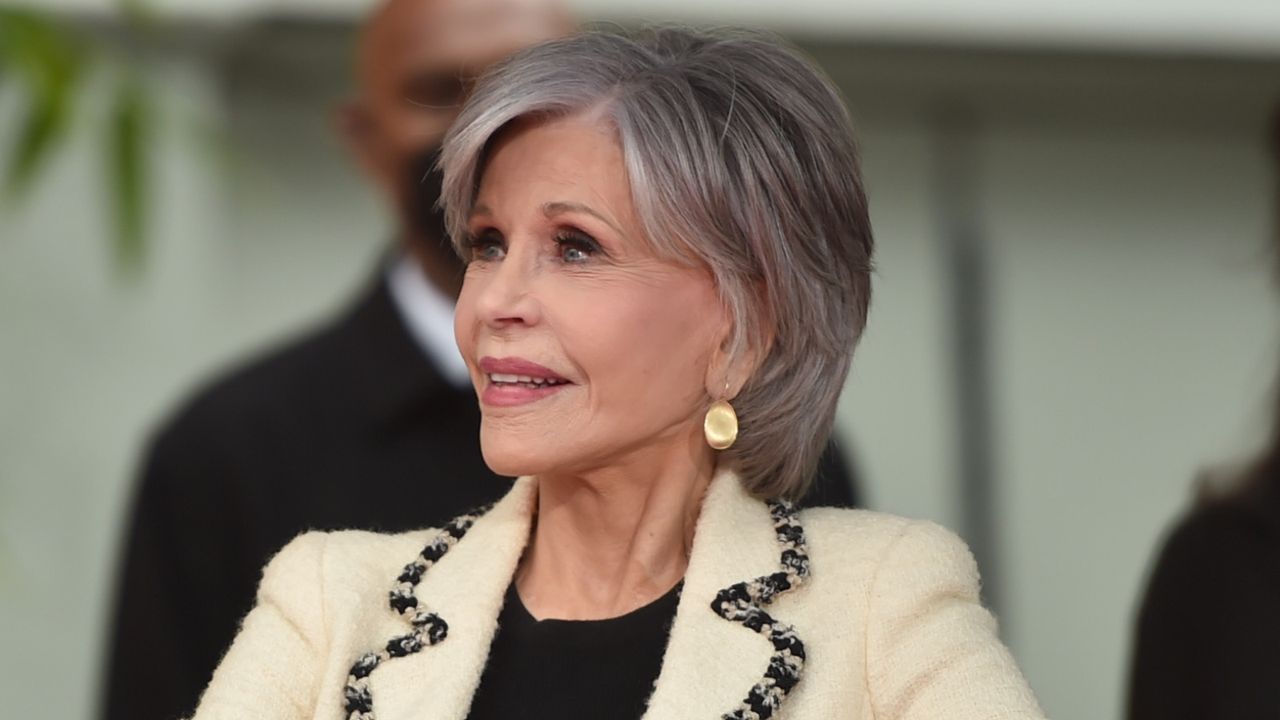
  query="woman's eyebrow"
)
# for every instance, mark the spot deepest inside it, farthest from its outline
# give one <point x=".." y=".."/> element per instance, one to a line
<point x="552" y="209"/>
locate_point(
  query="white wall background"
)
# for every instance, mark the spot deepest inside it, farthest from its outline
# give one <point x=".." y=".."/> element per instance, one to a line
<point x="1123" y="198"/>
<point x="1230" y="26"/>
<point x="1125" y="206"/>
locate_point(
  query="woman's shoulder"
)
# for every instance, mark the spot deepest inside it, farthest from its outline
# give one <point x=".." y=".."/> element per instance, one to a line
<point x="345" y="557"/>
<point x="869" y="526"/>
<point x="885" y="541"/>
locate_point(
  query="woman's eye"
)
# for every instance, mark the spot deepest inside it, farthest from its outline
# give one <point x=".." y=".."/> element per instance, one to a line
<point x="576" y="247"/>
<point x="573" y="254"/>
<point x="486" y="247"/>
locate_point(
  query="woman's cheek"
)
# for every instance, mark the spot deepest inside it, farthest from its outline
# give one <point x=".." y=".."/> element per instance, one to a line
<point x="464" y="323"/>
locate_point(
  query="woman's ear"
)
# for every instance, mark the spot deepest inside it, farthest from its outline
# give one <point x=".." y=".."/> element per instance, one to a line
<point x="736" y="358"/>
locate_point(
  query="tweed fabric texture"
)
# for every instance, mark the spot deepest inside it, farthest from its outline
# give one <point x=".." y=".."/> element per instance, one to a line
<point x="787" y="615"/>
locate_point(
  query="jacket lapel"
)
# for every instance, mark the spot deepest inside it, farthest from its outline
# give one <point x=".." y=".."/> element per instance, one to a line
<point x="711" y="664"/>
<point x="466" y="589"/>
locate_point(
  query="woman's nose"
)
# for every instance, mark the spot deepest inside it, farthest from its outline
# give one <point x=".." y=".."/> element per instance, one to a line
<point x="507" y="299"/>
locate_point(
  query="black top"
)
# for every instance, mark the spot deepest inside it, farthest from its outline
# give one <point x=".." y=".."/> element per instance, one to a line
<point x="573" y="668"/>
<point x="1208" y="634"/>
<point x="348" y="426"/>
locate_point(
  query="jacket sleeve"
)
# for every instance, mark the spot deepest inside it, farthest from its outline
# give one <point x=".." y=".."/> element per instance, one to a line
<point x="273" y="669"/>
<point x="932" y="650"/>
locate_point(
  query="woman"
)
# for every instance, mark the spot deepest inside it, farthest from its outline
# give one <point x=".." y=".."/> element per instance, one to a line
<point x="669" y="255"/>
<point x="1207" y="640"/>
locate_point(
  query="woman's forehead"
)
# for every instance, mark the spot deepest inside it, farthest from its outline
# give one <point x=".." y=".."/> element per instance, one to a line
<point x="574" y="158"/>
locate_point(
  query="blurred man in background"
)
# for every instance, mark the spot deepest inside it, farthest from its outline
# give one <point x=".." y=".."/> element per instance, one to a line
<point x="368" y="422"/>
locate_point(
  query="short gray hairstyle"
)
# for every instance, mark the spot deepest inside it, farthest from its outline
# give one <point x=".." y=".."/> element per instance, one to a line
<point x="741" y="159"/>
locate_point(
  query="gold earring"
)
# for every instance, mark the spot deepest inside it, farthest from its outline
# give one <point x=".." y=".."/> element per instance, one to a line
<point x="721" y="425"/>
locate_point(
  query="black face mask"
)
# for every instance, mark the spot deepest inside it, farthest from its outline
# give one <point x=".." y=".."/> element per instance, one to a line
<point x="422" y="188"/>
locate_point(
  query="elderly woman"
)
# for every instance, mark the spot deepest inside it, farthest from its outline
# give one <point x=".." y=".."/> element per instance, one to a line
<point x="669" y="255"/>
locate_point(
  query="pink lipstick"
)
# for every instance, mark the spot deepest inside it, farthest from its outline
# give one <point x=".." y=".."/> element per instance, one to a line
<point x="516" y="381"/>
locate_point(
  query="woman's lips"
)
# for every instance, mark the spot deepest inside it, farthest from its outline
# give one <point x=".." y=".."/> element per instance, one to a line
<point x="505" y="395"/>
<point x="516" y="381"/>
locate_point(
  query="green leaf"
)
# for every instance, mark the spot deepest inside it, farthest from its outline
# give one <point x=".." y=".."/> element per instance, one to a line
<point x="48" y="62"/>
<point x="127" y="129"/>
<point x="48" y="59"/>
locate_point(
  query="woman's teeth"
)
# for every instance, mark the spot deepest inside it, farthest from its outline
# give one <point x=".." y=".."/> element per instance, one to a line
<point x="523" y="380"/>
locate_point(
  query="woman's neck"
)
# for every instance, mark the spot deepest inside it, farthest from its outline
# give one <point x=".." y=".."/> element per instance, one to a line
<point x="608" y="542"/>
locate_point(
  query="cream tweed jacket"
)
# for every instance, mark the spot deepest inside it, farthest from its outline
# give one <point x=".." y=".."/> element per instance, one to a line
<point x="875" y="617"/>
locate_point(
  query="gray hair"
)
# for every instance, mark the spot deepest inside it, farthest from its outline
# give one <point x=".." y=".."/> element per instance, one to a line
<point x="741" y="159"/>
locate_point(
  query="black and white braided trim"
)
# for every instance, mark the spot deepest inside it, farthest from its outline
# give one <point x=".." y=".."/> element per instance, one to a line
<point x="743" y="603"/>
<point x="428" y="628"/>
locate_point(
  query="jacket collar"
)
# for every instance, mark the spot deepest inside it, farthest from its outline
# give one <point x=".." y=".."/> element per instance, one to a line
<point x="711" y="663"/>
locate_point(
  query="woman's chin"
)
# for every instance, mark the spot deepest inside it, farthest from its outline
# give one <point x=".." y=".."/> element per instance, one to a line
<point x="512" y="470"/>
<point x="510" y="460"/>
<point x="518" y="446"/>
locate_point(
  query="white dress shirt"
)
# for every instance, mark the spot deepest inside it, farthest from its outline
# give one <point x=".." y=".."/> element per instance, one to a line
<point x="428" y="314"/>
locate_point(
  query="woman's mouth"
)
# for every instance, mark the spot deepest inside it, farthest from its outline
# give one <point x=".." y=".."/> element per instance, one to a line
<point x="516" y="381"/>
<point x="528" y="381"/>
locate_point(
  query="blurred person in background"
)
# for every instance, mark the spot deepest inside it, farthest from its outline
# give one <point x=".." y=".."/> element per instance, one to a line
<point x="1207" y="640"/>
<point x="376" y="404"/>
<point x="670" y="258"/>
<point x="368" y="422"/>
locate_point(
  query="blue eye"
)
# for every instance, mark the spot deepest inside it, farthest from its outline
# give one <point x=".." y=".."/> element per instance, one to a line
<point x="573" y="254"/>
<point x="485" y="247"/>
<point x="576" y="247"/>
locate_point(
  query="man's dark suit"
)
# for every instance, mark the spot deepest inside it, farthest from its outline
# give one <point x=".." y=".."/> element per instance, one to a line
<point x="348" y="428"/>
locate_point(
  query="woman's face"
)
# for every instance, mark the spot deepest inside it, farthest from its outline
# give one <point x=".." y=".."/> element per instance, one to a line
<point x="587" y="351"/>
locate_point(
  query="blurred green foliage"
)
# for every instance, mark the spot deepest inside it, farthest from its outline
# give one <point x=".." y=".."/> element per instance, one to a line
<point x="48" y="61"/>
<point x="49" y="64"/>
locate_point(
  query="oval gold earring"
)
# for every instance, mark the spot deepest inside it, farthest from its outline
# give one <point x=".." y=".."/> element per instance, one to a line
<point x="720" y="425"/>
